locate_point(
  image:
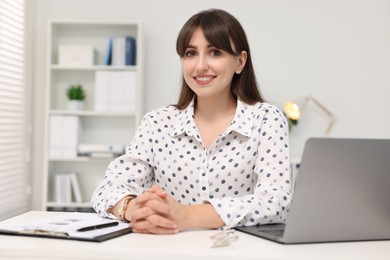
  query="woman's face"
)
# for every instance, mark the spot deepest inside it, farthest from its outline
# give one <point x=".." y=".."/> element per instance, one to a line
<point x="208" y="70"/>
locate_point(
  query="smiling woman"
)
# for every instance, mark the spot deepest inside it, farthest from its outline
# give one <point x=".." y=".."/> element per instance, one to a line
<point x="224" y="35"/>
<point x="218" y="158"/>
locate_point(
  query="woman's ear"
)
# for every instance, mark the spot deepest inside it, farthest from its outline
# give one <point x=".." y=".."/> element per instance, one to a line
<point x="241" y="62"/>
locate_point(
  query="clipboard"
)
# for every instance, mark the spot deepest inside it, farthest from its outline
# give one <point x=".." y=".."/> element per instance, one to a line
<point x="72" y="226"/>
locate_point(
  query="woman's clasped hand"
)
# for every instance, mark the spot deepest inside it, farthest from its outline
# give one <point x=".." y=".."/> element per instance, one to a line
<point x="156" y="212"/>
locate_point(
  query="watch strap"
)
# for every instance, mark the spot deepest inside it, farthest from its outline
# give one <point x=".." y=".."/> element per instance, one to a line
<point x="123" y="207"/>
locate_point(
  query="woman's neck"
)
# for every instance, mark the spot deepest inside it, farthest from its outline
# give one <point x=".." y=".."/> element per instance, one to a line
<point x="215" y="108"/>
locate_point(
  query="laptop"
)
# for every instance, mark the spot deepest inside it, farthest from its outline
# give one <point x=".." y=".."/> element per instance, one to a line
<point x="342" y="193"/>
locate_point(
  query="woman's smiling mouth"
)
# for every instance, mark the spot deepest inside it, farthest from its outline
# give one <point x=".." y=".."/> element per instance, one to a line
<point x="204" y="79"/>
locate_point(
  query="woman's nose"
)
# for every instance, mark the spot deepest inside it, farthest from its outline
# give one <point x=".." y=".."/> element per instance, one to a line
<point x="202" y="63"/>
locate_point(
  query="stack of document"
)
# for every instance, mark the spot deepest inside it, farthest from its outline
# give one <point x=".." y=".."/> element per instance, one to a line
<point x="100" y="150"/>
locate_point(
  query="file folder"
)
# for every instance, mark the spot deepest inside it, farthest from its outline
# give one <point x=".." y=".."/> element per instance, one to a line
<point x="72" y="226"/>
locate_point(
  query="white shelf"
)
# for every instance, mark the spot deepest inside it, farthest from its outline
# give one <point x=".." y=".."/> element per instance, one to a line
<point x="93" y="68"/>
<point x="80" y="159"/>
<point x="94" y="127"/>
<point x="52" y="204"/>
<point x="91" y="113"/>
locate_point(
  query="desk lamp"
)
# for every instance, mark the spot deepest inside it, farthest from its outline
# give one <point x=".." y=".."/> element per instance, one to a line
<point x="293" y="112"/>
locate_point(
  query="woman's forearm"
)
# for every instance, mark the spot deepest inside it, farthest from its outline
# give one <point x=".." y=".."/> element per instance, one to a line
<point x="201" y="216"/>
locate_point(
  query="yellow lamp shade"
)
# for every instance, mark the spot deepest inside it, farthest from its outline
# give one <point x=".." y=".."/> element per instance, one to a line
<point x="292" y="110"/>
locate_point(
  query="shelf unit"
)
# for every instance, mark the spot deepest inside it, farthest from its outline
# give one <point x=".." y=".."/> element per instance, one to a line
<point x="97" y="127"/>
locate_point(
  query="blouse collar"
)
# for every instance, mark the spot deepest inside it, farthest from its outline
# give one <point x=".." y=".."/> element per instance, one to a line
<point x="242" y="122"/>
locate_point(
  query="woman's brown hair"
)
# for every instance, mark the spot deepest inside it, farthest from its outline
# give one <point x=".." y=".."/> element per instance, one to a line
<point x="222" y="30"/>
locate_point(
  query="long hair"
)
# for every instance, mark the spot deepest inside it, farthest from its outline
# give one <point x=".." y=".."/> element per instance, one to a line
<point x="223" y="31"/>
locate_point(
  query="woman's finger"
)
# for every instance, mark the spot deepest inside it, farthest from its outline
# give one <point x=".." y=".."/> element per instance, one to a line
<point x="156" y="204"/>
<point x="155" y="230"/>
<point x="160" y="230"/>
<point x="159" y="191"/>
<point x="141" y="213"/>
<point x="145" y="197"/>
<point x="153" y="221"/>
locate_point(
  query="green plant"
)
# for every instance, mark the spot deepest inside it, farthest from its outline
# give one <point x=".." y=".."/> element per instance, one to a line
<point x="76" y="92"/>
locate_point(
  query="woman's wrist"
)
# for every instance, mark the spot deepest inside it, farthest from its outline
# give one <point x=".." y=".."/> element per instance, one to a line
<point x="200" y="216"/>
<point x="123" y="205"/>
<point x="131" y="207"/>
<point x="121" y="209"/>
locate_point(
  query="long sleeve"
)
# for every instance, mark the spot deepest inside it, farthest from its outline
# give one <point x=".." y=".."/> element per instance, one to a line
<point x="129" y="174"/>
<point x="271" y="197"/>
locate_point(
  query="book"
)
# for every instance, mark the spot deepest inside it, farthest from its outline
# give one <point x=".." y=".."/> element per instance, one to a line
<point x="60" y="188"/>
<point x="108" y="57"/>
<point x="73" y="226"/>
<point x="75" y="187"/>
<point x="118" y="51"/>
<point x="130" y="51"/>
<point x="63" y="188"/>
<point x="67" y="188"/>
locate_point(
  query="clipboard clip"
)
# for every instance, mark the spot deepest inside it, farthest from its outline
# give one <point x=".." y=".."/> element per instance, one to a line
<point x="41" y="232"/>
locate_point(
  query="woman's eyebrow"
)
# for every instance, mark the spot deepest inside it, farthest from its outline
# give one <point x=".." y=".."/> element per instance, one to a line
<point x="209" y="46"/>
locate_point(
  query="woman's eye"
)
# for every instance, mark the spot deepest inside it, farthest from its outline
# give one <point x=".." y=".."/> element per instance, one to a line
<point x="216" y="53"/>
<point x="190" y="53"/>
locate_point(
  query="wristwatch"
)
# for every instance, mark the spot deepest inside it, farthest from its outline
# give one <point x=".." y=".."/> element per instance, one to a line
<point x="123" y="207"/>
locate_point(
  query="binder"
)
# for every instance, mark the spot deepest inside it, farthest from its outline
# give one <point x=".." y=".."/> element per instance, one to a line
<point x="118" y="51"/>
<point x="115" y="91"/>
<point x="130" y="51"/>
<point x="55" y="148"/>
<point x="88" y="227"/>
<point x="64" y="133"/>
<point x="102" y="91"/>
<point x="108" y="57"/>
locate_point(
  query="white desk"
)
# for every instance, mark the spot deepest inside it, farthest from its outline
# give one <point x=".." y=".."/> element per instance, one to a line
<point x="183" y="246"/>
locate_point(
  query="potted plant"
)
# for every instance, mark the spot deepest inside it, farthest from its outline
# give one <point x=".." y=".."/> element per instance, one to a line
<point x="76" y="96"/>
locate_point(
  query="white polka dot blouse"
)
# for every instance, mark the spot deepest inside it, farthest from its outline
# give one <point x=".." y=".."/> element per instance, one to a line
<point x="244" y="174"/>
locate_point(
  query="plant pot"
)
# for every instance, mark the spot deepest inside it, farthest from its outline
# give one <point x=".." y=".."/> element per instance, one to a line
<point x="75" y="105"/>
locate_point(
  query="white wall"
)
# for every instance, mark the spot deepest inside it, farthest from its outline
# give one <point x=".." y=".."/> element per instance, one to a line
<point x="335" y="50"/>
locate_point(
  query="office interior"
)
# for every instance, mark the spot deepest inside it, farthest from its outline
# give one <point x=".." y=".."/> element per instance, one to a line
<point x="336" y="51"/>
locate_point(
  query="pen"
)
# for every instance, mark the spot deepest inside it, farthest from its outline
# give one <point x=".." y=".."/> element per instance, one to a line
<point x="105" y="225"/>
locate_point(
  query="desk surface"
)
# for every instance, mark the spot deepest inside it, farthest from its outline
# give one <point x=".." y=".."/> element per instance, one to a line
<point x="185" y="245"/>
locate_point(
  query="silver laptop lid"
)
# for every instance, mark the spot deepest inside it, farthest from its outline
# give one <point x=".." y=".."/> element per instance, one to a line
<point x="342" y="192"/>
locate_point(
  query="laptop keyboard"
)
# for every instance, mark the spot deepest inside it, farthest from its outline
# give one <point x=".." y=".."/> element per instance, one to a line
<point x="272" y="229"/>
<point x="275" y="232"/>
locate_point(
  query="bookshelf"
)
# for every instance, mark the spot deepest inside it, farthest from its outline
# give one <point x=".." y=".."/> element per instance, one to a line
<point x="94" y="126"/>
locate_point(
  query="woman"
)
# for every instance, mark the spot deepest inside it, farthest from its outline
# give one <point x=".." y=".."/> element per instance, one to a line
<point x="219" y="157"/>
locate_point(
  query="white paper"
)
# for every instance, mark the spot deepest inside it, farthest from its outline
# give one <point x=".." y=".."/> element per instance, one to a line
<point x="69" y="223"/>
